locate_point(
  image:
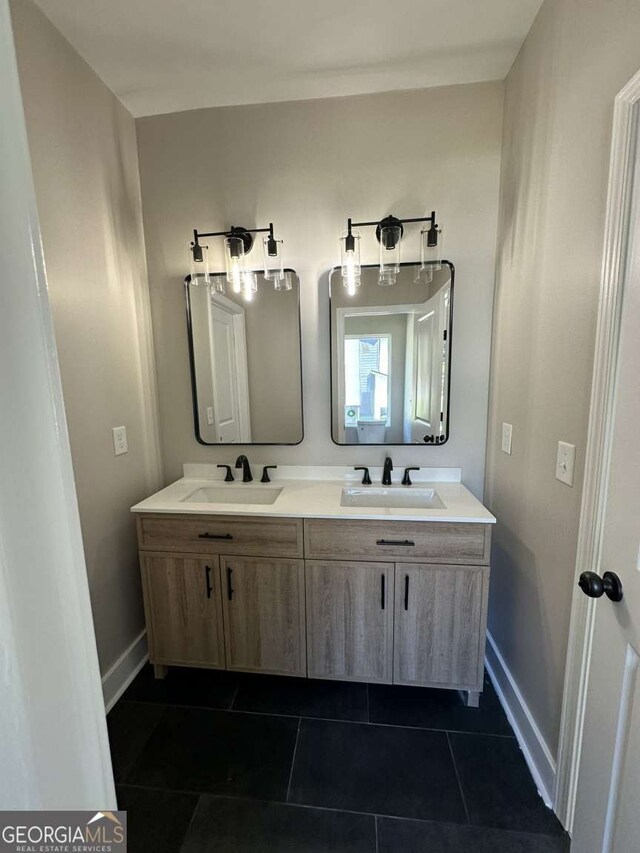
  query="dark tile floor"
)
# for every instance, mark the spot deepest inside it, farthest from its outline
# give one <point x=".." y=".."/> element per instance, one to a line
<point x="215" y="762"/>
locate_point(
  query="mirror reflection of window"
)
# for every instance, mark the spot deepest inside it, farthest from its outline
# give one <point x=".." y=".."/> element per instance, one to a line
<point x="367" y="378"/>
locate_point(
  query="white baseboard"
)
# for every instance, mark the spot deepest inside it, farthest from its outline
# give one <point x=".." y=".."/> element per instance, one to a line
<point x="537" y="754"/>
<point x="118" y="677"/>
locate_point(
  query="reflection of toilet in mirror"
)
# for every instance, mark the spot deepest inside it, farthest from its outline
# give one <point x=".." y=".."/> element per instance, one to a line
<point x="371" y="432"/>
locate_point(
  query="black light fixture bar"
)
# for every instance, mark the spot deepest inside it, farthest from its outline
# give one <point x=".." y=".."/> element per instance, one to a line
<point x="394" y="219"/>
<point x="241" y="233"/>
<point x="233" y="231"/>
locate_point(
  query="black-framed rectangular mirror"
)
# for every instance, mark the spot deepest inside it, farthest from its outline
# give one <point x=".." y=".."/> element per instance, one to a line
<point x="246" y="360"/>
<point x="391" y="356"/>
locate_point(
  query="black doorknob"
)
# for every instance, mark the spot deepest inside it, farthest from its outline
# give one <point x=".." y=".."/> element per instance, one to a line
<point x="595" y="586"/>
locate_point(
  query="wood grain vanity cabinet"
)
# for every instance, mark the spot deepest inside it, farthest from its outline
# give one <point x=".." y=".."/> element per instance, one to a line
<point x="440" y="625"/>
<point x="381" y="601"/>
<point x="189" y="564"/>
<point x="349" y="620"/>
<point x="264" y="618"/>
<point x="183" y="608"/>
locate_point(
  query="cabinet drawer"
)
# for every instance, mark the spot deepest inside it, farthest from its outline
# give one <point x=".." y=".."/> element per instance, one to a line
<point x="419" y="541"/>
<point x="226" y="534"/>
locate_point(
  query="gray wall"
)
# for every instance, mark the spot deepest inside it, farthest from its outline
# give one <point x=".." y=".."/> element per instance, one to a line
<point x="557" y="131"/>
<point x="307" y="166"/>
<point x="83" y="149"/>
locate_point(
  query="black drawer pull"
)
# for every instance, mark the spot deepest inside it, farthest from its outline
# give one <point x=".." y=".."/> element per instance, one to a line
<point x="207" y="574"/>
<point x="406" y="592"/>
<point x="215" y="536"/>
<point x="382" y="590"/>
<point x="229" y="587"/>
<point x="404" y="542"/>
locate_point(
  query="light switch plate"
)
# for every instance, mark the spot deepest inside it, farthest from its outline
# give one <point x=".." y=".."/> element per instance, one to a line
<point x="565" y="462"/>
<point x="120" y="444"/>
<point x="507" y="429"/>
<point x="210" y="415"/>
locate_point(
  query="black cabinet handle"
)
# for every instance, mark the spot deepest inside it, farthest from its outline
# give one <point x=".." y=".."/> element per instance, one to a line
<point x="229" y="587"/>
<point x="207" y="574"/>
<point x="404" y="542"/>
<point x="215" y="536"/>
<point x="382" y="591"/>
<point x="406" y="592"/>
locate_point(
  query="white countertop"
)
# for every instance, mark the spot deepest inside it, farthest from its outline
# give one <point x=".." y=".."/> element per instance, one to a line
<point x="303" y="497"/>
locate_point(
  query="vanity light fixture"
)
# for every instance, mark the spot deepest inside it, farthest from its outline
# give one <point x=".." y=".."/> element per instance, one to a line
<point x="389" y="233"/>
<point x="199" y="256"/>
<point x="350" y="259"/>
<point x="238" y="242"/>
<point x="431" y="241"/>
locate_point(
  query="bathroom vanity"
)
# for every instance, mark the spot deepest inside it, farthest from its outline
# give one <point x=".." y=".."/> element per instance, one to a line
<point x="304" y="577"/>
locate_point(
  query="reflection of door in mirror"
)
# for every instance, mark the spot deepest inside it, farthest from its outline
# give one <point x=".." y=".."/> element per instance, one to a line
<point x="245" y="362"/>
<point x="230" y="381"/>
<point x="430" y="360"/>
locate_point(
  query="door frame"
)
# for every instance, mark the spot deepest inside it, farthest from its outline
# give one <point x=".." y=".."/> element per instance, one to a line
<point x="57" y="755"/>
<point x="599" y="443"/>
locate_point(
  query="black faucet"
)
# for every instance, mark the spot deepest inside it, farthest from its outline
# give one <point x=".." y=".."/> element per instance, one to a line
<point x="386" y="471"/>
<point x="243" y="462"/>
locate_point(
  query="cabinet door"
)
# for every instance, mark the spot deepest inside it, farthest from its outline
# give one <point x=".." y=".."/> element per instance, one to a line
<point x="440" y="625"/>
<point x="350" y="620"/>
<point x="263" y="604"/>
<point x="183" y="609"/>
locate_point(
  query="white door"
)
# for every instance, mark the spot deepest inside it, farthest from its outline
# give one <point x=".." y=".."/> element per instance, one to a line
<point x="430" y="360"/>
<point x="607" y="816"/>
<point x="229" y="376"/>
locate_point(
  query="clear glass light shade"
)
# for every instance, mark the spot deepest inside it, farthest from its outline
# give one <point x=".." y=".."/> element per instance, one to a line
<point x="219" y="282"/>
<point x="249" y="285"/>
<point x="386" y="278"/>
<point x="431" y="243"/>
<point x="350" y="260"/>
<point x="390" y="239"/>
<point x="235" y="259"/>
<point x="424" y="274"/>
<point x="273" y="259"/>
<point x="284" y="283"/>
<point x="200" y="272"/>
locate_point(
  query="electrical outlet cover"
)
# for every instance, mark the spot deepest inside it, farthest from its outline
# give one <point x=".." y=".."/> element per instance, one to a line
<point x="120" y="444"/>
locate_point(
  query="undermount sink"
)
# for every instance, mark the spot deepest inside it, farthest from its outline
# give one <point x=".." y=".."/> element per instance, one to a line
<point x="406" y="497"/>
<point x="234" y="495"/>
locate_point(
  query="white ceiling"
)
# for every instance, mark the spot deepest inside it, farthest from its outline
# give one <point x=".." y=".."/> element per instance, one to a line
<point x="162" y="56"/>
